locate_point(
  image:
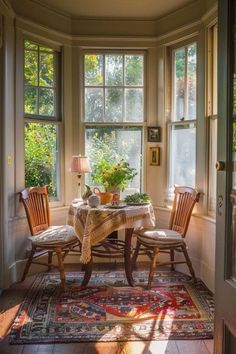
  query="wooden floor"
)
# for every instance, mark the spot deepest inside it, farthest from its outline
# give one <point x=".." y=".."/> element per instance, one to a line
<point x="11" y="299"/>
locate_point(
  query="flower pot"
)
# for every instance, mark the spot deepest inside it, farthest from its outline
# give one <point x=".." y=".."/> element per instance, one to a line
<point x="105" y="197"/>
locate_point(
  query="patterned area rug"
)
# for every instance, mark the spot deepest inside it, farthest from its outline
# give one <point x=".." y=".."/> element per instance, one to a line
<point x="109" y="310"/>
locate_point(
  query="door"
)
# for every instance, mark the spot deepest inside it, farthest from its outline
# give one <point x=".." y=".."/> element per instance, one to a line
<point x="225" y="294"/>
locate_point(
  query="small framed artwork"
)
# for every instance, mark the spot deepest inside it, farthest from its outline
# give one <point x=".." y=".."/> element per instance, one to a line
<point x="154" y="134"/>
<point x="154" y="156"/>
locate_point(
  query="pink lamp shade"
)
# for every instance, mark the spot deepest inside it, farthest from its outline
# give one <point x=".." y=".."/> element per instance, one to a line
<point x="80" y="164"/>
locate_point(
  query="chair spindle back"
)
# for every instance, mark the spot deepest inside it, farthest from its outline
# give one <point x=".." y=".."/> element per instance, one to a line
<point x="184" y="201"/>
<point x="35" y="201"/>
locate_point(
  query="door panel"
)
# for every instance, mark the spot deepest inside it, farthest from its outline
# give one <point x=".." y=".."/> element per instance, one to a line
<point x="225" y="294"/>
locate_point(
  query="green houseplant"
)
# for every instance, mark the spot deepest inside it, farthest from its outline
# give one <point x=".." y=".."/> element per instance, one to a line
<point x="113" y="176"/>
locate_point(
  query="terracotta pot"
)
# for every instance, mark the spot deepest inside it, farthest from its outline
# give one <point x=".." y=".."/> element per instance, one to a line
<point x="105" y="197"/>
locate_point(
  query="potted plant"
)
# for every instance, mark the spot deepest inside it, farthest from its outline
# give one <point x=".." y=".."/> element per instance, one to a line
<point x="113" y="176"/>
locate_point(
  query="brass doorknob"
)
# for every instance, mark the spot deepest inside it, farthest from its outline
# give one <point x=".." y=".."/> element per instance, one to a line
<point x="220" y="165"/>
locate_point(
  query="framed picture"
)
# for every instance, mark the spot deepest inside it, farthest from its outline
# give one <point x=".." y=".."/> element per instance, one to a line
<point x="154" y="156"/>
<point x="154" y="134"/>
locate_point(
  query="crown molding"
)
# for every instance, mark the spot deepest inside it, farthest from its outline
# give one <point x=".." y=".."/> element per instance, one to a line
<point x="24" y="24"/>
<point x="141" y="40"/>
<point x="6" y="8"/>
<point x="213" y="11"/>
<point x="52" y="9"/>
<point x="186" y="28"/>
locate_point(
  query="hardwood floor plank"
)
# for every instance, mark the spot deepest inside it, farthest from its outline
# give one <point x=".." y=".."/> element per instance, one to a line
<point x="5" y="348"/>
<point x="70" y="348"/>
<point x="30" y="349"/>
<point x="101" y="348"/>
<point x="192" y="346"/>
<point x="147" y="347"/>
<point x="209" y="343"/>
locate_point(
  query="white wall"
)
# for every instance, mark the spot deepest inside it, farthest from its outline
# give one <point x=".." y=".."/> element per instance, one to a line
<point x="152" y="36"/>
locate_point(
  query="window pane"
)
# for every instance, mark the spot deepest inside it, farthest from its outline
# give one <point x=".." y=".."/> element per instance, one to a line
<point x="134" y="70"/>
<point x="45" y="49"/>
<point x="30" y="45"/>
<point x="113" y="105"/>
<point x="46" y="69"/>
<point x="182" y="154"/>
<point x="179" y="84"/>
<point x="113" y="144"/>
<point x="31" y="68"/>
<point x="214" y="65"/>
<point x="41" y="156"/>
<point x="114" y="70"/>
<point x="192" y="81"/>
<point x="134" y="105"/>
<point x="30" y="100"/>
<point x="93" y="104"/>
<point x="93" y="70"/>
<point x="46" y="102"/>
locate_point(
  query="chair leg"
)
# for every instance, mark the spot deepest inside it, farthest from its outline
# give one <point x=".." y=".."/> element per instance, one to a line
<point x="28" y="263"/>
<point x="152" y="267"/>
<point x="49" y="260"/>
<point x="188" y="261"/>
<point x="172" y="258"/>
<point x="88" y="268"/>
<point x="135" y="255"/>
<point x="61" y="267"/>
<point x="65" y="254"/>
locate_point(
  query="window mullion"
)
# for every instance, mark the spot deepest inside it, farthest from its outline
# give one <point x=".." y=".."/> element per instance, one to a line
<point x="123" y="105"/>
<point x="186" y="85"/>
<point x="104" y="91"/>
<point x="38" y="81"/>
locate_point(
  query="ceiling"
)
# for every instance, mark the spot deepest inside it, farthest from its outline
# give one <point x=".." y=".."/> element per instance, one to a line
<point x="138" y="9"/>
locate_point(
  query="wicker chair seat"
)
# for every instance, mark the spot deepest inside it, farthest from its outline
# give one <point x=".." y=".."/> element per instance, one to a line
<point x="55" y="235"/>
<point x="160" y="237"/>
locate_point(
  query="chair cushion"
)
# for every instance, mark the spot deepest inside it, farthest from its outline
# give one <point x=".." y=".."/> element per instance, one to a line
<point x="55" y="235"/>
<point x="158" y="236"/>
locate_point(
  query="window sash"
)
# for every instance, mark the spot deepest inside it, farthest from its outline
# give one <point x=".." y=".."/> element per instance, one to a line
<point x="57" y="116"/>
<point x="123" y="87"/>
<point x="55" y="119"/>
<point x="122" y="129"/>
<point x="190" y="124"/>
<point x="186" y="89"/>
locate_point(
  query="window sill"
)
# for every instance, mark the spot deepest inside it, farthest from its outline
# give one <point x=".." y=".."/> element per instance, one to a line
<point x="203" y="217"/>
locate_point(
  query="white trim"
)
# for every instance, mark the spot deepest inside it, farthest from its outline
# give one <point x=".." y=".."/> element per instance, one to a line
<point x="212" y="12"/>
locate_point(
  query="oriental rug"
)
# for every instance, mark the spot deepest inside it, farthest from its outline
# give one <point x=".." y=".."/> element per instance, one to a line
<point x="109" y="310"/>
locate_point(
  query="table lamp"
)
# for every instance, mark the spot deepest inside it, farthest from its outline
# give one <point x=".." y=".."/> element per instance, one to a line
<point x="80" y="165"/>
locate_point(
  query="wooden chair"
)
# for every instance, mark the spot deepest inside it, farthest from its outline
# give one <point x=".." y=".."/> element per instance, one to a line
<point x="45" y="239"/>
<point x="169" y="240"/>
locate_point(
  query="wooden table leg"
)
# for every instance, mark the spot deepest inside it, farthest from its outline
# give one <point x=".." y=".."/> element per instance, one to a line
<point x="87" y="272"/>
<point x="128" y="259"/>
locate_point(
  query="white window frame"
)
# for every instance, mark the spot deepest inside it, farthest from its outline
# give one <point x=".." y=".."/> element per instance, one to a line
<point x="212" y="116"/>
<point x="55" y="119"/>
<point x="172" y="122"/>
<point x="85" y="124"/>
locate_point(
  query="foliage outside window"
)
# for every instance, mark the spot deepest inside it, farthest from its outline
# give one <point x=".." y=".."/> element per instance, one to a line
<point x="113" y="106"/>
<point x="182" y="128"/>
<point x="41" y="85"/>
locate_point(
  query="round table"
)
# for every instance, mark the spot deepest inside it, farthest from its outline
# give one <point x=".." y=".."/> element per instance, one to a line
<point x="93" y="225"/>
